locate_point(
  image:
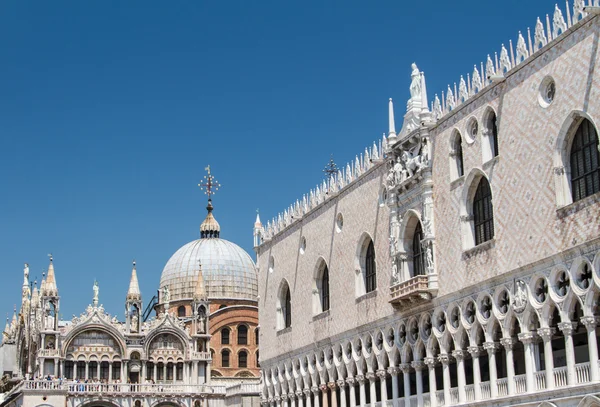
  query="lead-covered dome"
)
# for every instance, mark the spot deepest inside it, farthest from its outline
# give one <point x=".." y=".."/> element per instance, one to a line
<point x="227" y="269"/>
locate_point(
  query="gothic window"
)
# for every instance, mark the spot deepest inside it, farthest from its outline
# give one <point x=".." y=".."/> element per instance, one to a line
<point x="284" y="306"/>
<point x="256" y="336"/>
<point x="287" y="310"/>
<point x="325" y="289"/>
<point x="493" y="134"/>
<point x="418" y="256"/>
<point x="370" y="269"/>
<point x="489" y="145"/>
<point x="483" y="212"/>
<point x="257" y="360"/>
<point x="242" y="335"/>
<point x="181" y="312"/>
<point x="585" y="162"/>
<point x="458" y="151"/>
<point x="225" y="336"/>
<point x="243" y="359"/>
<point x="225" y="358"/>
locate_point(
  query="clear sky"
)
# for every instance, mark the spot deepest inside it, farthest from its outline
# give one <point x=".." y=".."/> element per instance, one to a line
<point x="110" y="110"/>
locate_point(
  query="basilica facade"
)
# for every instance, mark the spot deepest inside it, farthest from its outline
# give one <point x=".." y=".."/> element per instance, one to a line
<point x="199" y="349"/>
<point x="457" y="260"/>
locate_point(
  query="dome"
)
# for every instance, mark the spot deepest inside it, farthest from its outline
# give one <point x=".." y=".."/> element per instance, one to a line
<point x="228" y="271"/>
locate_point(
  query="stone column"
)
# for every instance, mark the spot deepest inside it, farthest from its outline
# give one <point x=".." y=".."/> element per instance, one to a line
<point x="445" y="361"/>
<point x="475" y="351"/>
<point x="155" y="372"/>
<point x="125" y="376"/>
<point x="351" y="383"/>
<point x="87" y="370"/>
<point x="567" y="329"/>
<point x="546" y="335"/>
<point x="315" y="391"/>
<point x="430" y="362"/>
<point x="342" y="385"/>
<point x="362" y="392"/>
<point x="299" y="395"/>
<point x="527" y="339"/>
<point x="590" y="325"/>
<point x="98" y="370"/>
<point x="372" y="387"/>
<point x="284" y="398"/>
<point x="164" y="372"/>
<point x="324" y="391"/>
<point x="459" y="355"/>
<point x="405" y="367"/>
<point x="333" y="392"/>
<point x="393" y="371"/>
<point x="144" y="372"/>
<point x="308" y="394"/>
<point x="382" y="386"/>
<point x="419" y="366"/>
<point x="291" y="397"/>
<point x="55" y="368"/>
<point x="62" y="369"/>
<point x="492" y="348"/>
<point x="508" y="344"/>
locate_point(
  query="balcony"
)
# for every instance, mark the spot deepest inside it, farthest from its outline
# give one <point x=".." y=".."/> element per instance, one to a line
<point x="117" y="389"/>
<point x="412" y="291"/>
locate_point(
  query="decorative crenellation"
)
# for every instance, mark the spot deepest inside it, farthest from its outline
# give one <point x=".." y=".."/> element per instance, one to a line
<point x="495" y="69"/>
<point x="327" y="189"/>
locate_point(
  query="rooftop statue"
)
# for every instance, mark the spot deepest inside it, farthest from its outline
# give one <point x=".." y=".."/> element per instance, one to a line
<point x="96" y="289"/>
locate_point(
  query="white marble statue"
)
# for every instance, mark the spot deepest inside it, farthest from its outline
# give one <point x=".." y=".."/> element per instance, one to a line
<point x="96" y="289"/>
<point x="166" y="295"/>
<point x="415" y="84"/>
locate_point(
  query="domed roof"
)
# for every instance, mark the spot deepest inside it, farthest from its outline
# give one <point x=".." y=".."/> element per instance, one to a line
<point x="227" y="269"/>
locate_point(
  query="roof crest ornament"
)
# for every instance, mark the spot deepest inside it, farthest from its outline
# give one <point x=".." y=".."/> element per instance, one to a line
<point x="209" y="228"/>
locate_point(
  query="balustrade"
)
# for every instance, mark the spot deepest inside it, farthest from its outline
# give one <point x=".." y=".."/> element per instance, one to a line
<point x="486" y="390"/>
<point x="470" y="392"/>
<point x="520" y="384"/>
<point x="118" y="388"/>
<point x="503" y="387"/>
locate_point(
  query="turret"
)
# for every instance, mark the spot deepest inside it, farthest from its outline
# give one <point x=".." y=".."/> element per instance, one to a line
<point x="26" y="291"/>
<point x="50" y="300"/>
<point x="392" y="123"/>
<point x="133" y="304"/>
<point x="258" y="231"/>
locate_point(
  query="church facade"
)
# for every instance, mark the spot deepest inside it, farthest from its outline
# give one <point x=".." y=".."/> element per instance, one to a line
<point x="198" y="350"/>
<point x="456" y="261"/>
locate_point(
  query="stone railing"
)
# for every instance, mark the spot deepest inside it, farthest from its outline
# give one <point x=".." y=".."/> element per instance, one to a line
<point x="107" y="389"/>
<point x="243" y="388"/>
<point x="411" y="291"/>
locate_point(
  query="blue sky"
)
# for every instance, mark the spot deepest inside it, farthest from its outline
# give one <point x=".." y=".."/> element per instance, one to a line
<point x="110" y="110"/>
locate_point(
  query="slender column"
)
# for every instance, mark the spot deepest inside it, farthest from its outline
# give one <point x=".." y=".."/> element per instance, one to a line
<point x="55" y="368"/>
<point x="430" y="362"/>
<point x="590" y="325"/>
<point x="492" y="348"/>
<point x="342" y="385"/>
<point x="62" y="369"/>
<point x="405" y="367"/>
<point x="278" y="401"/>
<point x="98" y="370"/>
<point x="308" y="394"/>
<point x="445" y="361"/>
<point x="174" y="370"/>
<point x="155" y="372"/>
<point x="331" y="386"/>
<point x="419" y="366"/>
<point x="527" y="339"/>
<point x="299" y="395"/>
<point x="324" y="390"/>
<point x="144" y="372"/>
<point x="315" y="391"/>
<point x="125" y="376"/>
<point x="351" y="383"/>
<point x="459" y="355"/>
<point x="361" y="385"/>
<point x="291" y="397"/>
<point x="110" y="367"/>
<point x="567" y="330"/>
<point x="546" y="335"/>
<point x="87" y="370"/>
<point x="164" y="372"/>
<point x="382" y="386"/>
<point x="475" y="351"/>
<point x="372" y="386"/>
<point x="393" y="371"/>
<point x="508" y="344"/>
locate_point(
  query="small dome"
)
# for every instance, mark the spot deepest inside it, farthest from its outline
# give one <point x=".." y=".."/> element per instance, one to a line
<point x="228" y="271"/>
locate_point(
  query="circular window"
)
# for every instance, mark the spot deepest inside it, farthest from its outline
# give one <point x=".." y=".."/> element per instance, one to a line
<point x="547" y="92"/>
<point x="271" y="264"/>
<point x="472" y="130"/>
<point x="302" y="245"/>
<point x="339" y="223"/>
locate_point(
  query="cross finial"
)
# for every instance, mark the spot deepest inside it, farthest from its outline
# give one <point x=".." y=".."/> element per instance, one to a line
<point x="209" y="184"/>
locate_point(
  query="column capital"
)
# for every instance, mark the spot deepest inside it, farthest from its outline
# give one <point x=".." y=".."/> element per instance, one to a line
<point x="567" y="328"/>
<point x="405" y="367"/>
<point x="491" y="347"/>
<point x="299" y="393"/>
<point x="307" y="392"/>
<point x="360" y="379"/>
<point x="370" y="375"/>
<point x="291" y="396"/>
<point x="315" y="389"/>
<point x="341" y="383"/>
<point x="508" y="343"/>
<point x="393" y="370"/>
<point x="459" y="354"/>
<point x="418" y="365"/>
<point x="381" y="373"/>
<point x="430" y="362"/>
<point x="332" y="385"/>
<point x="546" y="333"/>
<point x="526" y="337"/>
<point x="351" y="381"/>
<point x="324" y="388"/>
<point x="475" y="351"/>
<point x="444" y="359"/>
<point x="590" y="322"/>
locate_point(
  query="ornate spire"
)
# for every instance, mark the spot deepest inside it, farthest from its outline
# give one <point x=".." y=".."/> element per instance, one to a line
<point x="35" y="297"/>
<point x="134" y="294"/>
<point x="50" y="286"/>
<point x="392" y="123"/>
<point x="200" y="292"/>
<point x="210" y="227"/>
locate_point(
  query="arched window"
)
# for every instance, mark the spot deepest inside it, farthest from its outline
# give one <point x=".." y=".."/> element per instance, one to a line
<point x="493" y="134"/>
<point x="458" y="151"/>
<point x="243" y="359"/>
<point x="242" y="335"/>
<point x="483" y="212"/>
<point x="256" y="336"/>
<point x="225" y="358"/>
<point x="585" y="162"/>
<point x="181" y="311"/>
<point x="325" y="289"/>
<point x="225" y="336"/>
<point x="418" y="256"/>
<point x="370" y="270"/>
<point x="287" y="310"/>
<point x="257" y="360"/>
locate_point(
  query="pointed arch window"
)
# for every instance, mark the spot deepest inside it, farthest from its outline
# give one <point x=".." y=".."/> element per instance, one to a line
<point x="225" y="358"/>
<point x="370" y="269"/>
<point x="483" y="212"/>
<point x="242" y="335"/>
<point x="243" y="359"/>
<point x="585" y="162"/>
<point x="225" y="336"/>
<point x="287" y="308"/>
<point x="458" y="150"/>
<point x="418" y="256"/>
<point x="493" y="129"/>
<point x="325" y="289"/>
<point x="256" y="336"/>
